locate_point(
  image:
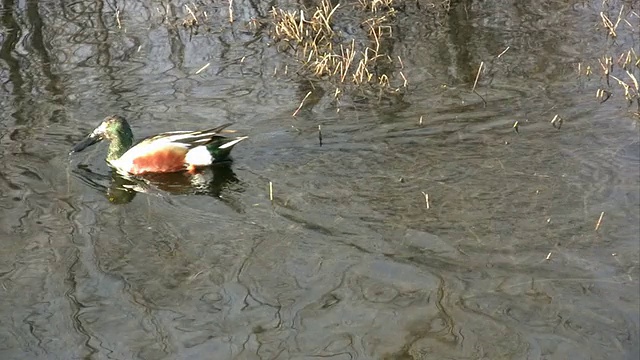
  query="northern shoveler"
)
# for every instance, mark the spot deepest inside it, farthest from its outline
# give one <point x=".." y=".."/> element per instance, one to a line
<point x="163" y="153"/>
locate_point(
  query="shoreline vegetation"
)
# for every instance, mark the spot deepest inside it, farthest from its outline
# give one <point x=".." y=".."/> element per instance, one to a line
<point x="346" y="57"/>
<point x="346" y="48"/>
<point x="620" y="67"/>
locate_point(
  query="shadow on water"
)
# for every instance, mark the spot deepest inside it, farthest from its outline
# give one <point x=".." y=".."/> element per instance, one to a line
<point x="210" y="181"/>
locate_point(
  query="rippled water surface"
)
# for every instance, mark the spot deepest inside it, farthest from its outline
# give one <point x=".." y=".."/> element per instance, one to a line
<point x="348" y="261"/>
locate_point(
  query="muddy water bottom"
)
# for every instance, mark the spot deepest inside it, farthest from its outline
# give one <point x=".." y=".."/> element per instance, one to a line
<point x="451" y="237"/>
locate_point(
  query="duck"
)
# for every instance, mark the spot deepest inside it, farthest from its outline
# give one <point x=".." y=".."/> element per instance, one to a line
<point x="167" y="152"/>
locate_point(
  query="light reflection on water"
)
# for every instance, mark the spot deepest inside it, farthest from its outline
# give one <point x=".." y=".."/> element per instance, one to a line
<point x="347" y="260"/>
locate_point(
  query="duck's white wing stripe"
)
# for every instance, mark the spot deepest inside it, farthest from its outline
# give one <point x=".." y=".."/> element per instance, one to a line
<point x="231" y="143"/>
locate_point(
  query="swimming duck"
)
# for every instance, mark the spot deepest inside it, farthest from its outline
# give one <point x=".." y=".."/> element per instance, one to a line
<point x="163" y="153"/>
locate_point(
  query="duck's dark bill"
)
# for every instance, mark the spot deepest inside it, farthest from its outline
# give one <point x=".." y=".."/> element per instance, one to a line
<point x="88" y="141"/>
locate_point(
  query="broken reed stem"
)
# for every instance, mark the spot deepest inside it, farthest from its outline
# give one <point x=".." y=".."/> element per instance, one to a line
<point x="610" y="25"/>
<point x="270" y="191"/>
<point x="301" y="103"/>
<point x="477" y="76"/>
<point x="230" y="11"/>
<point x="203" y="68"/>
<point x="118" y="18"/>
<point x="193" y="15"/>
<point x="476" y="83"/>
<point x="504" y="51"/>
<point x="426" y="199"/>
<point x="635" y="81"/>
<point x="599" y="221"/>
<point x="405" y="79"/>
<point x="556" y="122"/>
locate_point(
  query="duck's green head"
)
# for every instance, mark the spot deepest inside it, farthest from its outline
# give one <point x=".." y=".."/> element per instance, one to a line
<point x="115" y="129"/>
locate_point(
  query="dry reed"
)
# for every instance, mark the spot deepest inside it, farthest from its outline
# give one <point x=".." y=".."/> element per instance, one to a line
<point x="623" y="66"/>
<point x="326" y="53"/>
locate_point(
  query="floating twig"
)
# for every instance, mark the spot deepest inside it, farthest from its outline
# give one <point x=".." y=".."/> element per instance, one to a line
<point x="477" y="76"/>
<point x="194" y="276"/>
<point x="270" y="191"/>
<point x="556" y="122"/>
<point x="599" y="221"/>
<point x="476" y="83"/>
<point x="118" y="18"/>
<point x="203" y="68"/>
<point x="503" y="52"/>
<point x="230" y="11"/>
<point x="426" y="199"/>
<point x="404" y="78"/>
<point x="301" y="103"/>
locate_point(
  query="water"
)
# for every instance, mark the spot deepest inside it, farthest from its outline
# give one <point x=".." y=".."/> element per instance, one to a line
<point x="347" y="261"/>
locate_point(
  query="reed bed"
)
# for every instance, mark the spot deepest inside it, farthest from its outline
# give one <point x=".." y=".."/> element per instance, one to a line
<point x="619" y="69"/>
<point x="325" y="52"/>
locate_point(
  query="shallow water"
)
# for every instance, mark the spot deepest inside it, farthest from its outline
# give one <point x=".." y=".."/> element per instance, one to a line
<point x="347" y="261"/>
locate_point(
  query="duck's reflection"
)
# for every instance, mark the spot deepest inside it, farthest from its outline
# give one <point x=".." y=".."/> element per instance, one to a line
<point x="210" y="181"/>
